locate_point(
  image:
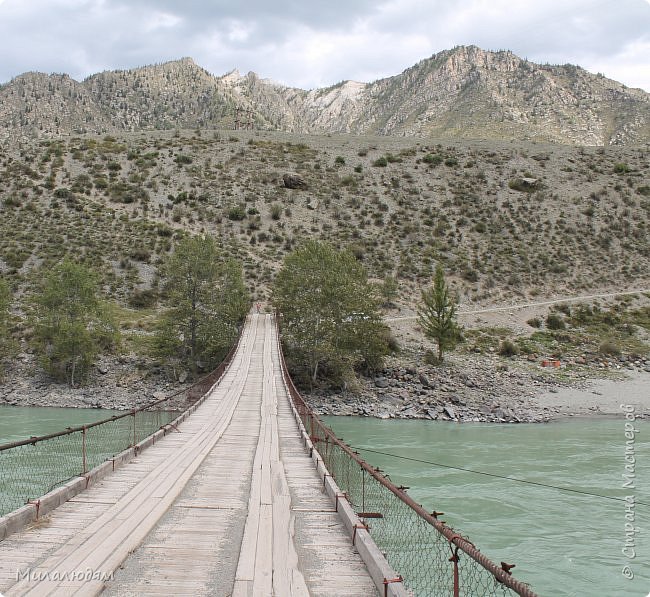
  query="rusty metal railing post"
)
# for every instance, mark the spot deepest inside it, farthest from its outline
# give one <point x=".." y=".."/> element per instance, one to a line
<point x="455" y="559"/>
<point x="134" y="434"/>
<point x="84" y="459"/>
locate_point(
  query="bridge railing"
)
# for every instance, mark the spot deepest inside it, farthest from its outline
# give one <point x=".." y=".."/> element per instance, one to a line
<point x="430" y="556"/>
<point x="32" y="467"/>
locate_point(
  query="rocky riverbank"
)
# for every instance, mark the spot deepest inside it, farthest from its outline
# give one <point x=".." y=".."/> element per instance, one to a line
<point x="121" y="383"/>
<point x="480" y="389"/>
<point x="468" y="388"/>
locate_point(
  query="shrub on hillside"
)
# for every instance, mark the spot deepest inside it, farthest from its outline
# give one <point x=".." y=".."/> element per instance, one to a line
<point x="555" y="322"/>
<point x="236" y="213"/>
<point x="508" y="348"/>
<point x="183" y="159"/>
<point x="519" y="184"/>
<point x="609" y="348"/>
<point x="433" y="159"/>
<point x="143" y="299"/>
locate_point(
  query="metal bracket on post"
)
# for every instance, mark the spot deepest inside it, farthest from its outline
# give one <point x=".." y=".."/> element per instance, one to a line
<point x="169" y="426"/>
<point x="507" y="567"/>
<point x="455" y="559"/>
<point x="36" y="504"/>
<point x="83" y="450"/>
<point x="338" y="496"/>
<point x="390" y="581"/>
<point x="359" y="525"/>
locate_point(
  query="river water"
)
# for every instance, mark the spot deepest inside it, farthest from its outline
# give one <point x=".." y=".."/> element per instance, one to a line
<point x="31" y="470"/>
<point x="18" y="422"/>
<point x="563" y="543"/>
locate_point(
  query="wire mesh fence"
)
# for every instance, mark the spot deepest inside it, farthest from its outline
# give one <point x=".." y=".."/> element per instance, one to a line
<point x="32" y="467"/>
<point x="432" y="558"/>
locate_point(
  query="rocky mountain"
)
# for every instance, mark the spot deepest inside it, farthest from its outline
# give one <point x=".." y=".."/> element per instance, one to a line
<point x="465" y="92"/>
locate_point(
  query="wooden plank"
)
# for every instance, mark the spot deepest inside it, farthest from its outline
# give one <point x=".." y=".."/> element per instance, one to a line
<point x="287" y="577"/>
<point x="263" y="577"/>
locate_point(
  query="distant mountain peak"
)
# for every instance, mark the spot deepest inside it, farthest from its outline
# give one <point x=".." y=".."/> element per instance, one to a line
<point x="463" y="92"/>
<point x="232" y="76"/>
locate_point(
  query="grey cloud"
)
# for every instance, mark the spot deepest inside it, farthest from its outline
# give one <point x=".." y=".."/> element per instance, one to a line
<point x="280" y="15"/>
<point x="595" y="26"/>
<point x="280" y="39"/>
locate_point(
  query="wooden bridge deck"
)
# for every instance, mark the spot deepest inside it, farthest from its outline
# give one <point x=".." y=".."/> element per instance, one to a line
<point x="231" y="505"/>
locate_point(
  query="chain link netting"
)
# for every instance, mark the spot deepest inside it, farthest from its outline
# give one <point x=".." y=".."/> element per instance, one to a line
<point x="428" y="561"/>
<point x="432" y="558"/>
<point x="31" y="470"/>
<point x="33" y="467"/>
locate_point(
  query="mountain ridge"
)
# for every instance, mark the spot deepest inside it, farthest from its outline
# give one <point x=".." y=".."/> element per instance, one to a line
<point x="465" y="92"/>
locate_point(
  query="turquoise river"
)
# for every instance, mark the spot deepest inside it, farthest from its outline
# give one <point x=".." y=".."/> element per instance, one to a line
<point x="563" y="543"/>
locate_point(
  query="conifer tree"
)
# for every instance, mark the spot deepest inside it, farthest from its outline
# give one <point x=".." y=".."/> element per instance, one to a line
<point x="437" y="314"/>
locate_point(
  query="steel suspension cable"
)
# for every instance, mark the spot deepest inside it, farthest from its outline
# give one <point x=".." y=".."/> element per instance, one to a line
<point x="468" y="470"/>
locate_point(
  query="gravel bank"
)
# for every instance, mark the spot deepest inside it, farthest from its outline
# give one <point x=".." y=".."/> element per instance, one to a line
<point x="487" y="389"/>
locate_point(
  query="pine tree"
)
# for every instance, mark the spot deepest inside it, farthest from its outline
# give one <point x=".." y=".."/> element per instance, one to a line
<point x="437" y="315"/>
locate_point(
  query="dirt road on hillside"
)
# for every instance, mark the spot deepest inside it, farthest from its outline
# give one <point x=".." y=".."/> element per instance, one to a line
<point x="573" y="299"/>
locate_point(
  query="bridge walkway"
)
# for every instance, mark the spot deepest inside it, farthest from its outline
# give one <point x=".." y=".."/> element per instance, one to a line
<point x="230" y="505"/>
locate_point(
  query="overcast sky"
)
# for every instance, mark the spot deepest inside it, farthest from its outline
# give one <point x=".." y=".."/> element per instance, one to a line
<point x="313" y="43"/>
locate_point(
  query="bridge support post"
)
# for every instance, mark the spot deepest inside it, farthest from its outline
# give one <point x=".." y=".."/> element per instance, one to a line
<point x="455" y="559"/>
<point x="84" y="463"/>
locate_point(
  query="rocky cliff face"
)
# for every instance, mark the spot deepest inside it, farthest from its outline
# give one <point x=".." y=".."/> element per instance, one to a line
<point x="463" y="93"/>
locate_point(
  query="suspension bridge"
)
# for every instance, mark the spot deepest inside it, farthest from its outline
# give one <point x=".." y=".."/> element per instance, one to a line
<point x="246" y="493"/>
